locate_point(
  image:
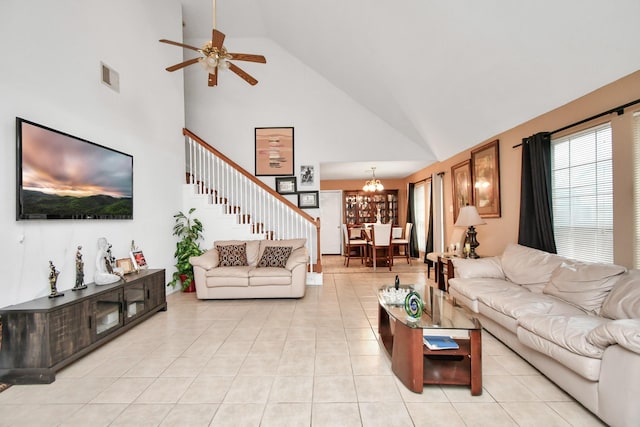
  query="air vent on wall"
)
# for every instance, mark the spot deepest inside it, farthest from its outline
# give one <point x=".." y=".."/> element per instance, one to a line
<point x="110" y="77"/>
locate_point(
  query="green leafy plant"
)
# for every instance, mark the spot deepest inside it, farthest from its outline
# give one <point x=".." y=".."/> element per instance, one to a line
<point x="189" y="230"/>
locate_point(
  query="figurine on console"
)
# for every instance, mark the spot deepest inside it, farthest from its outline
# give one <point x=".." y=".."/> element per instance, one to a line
<point x="105" y="272"/>
<point x="79" y="272"/>
<point x="53" y="280"/>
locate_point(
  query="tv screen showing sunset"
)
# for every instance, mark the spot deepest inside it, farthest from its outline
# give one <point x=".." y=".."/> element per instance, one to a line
<point x="67" y="177"/>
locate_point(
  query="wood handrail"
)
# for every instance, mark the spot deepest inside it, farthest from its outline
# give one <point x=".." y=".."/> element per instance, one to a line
<point x="249" y="176"/>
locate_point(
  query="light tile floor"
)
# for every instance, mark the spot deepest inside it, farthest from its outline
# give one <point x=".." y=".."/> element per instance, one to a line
<point x="314" y="361"/>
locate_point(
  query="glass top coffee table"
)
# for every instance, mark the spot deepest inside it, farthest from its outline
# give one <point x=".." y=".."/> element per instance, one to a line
<point x="415" y="364"/>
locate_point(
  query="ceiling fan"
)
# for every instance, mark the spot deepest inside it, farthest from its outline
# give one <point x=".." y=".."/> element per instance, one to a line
<point x="215" y="57"/>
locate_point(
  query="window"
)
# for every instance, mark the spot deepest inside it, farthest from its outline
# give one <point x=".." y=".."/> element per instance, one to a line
<point x="420" y="213"/>
<point x="636" y="186"/>
<point x="582" y="192"/>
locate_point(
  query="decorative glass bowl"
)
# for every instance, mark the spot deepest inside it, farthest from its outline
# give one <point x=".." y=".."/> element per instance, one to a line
<point x="393" y="296"/>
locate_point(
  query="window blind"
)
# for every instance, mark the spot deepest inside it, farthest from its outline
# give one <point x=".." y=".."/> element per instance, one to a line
<point x="582" y="194"/>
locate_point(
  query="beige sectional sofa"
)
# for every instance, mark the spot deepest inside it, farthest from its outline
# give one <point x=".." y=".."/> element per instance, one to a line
<point x="577" y="323"/>
<point x="252" y="269"/>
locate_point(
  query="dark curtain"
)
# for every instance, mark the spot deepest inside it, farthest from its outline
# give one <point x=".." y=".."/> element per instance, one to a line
<point x="429" y="247"/>
<point x="414" y="252"/>
<point x="536" y="222"/>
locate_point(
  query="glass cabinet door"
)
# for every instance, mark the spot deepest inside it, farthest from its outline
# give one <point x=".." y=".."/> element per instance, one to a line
<point x="134" y="299"/>
<point x="108" y="312"/>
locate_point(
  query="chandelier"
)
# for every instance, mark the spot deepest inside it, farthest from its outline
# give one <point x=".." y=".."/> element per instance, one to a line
<point x="373" y="184"/>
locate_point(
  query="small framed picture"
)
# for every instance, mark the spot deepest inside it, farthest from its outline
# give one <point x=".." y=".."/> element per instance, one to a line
<point x="138" y="259"/>
<point x="126" y="264"/>
<point x="307" y="175"/>
<point x="308" y="199"/>
<point x="286" y="185"/>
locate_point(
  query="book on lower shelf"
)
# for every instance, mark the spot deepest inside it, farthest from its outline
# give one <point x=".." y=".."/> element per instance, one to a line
<point x="440" y="342"/>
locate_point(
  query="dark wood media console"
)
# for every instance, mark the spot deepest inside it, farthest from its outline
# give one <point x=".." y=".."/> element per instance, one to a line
<point x="42" y="336"/>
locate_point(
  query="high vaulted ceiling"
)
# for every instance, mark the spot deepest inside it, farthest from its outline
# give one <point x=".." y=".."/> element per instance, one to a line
<point x="446" y="74"/>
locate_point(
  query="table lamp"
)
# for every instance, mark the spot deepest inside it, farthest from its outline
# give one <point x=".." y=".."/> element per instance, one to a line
<point x="469" y="217"/>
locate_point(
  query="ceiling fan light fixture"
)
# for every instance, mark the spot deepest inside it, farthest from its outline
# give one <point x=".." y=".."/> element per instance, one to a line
<point x="215" y="55"/>
<point x="209" y="64"/>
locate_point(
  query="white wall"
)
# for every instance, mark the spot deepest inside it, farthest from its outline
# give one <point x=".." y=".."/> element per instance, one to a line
<point x="328" y="124"/>
<point x="50" y="74"/>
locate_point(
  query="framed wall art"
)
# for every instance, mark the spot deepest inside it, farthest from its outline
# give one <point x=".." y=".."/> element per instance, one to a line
<point x="485" y="170"/>
<point x="308" y="199"/>
<point x="274" y="151"/>
<point x="461" y="184"/>
<point x="307" y="175"/>
<point x="286" y="185"/>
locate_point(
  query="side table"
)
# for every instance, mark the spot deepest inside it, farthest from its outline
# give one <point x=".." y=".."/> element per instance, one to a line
<point x="444" y="272"/>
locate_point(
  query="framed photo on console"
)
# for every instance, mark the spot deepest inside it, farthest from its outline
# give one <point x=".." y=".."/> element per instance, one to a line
<point x="126" y="264"/>
<point x="286" y="185"/>
<point x="308" y="199"/>
<point x="138" y="259"/>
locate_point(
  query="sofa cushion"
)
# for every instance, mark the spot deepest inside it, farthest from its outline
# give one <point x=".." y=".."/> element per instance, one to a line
<point x="583" y="284"/>
<point x="252" y="248"/>
<point x="623" y="302"/>
<point x="586" y="367"/>
<point x="237" y="276"/>
<point x="567" y="331"/>
<point x="625" y="332"/>
<point x="275" y="256"/>
<point x="527" y="266"/>
<point x="269" y="276"/>
<point x="466" y="268"/>
<point x="517" y="303"/>
<point x="294" y="243"/>
<point x="232" y="255"/>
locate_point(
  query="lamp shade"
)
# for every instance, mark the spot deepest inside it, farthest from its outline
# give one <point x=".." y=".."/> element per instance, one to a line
<point x="468" y="217"/>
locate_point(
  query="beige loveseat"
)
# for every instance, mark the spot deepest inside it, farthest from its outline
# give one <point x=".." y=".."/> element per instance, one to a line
<point x="577" y="323"/>
<point x="268" y="269"/>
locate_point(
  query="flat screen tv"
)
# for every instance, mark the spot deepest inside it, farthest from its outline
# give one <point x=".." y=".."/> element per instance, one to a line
<point x="60" y="176"/>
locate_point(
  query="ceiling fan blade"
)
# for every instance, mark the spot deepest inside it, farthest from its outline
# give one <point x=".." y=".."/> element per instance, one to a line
<point x="186" y="46"/>
<point x="183" y="64"/>
<point x="217" y="39"/>
<point x="248" y="57"/>
<point x="247" y="78"/>
<point x="213" y="78"/>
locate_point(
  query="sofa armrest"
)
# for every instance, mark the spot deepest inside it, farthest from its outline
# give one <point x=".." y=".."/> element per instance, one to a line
<point x="297" y="257"/>
<point x="625" y="332"/>
<point x="207" y="260"/>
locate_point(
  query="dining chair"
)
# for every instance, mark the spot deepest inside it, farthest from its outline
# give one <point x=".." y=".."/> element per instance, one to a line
<point x="381" y="242"/>
<point x="352" y="244"/>
<point x="403" y="242"/>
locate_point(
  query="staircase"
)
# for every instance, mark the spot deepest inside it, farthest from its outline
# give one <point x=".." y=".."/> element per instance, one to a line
<point x="233" y="204"/>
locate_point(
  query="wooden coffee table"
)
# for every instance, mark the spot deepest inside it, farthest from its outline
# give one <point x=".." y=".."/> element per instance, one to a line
<point x="412" y="362"/>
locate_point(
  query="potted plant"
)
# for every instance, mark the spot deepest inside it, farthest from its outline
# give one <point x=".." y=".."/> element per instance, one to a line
<point x="189" y="230"/>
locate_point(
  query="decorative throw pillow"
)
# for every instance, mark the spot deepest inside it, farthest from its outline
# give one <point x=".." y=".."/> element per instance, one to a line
<point x="275" y="256"/>
<point x="232" y="255"/>
<point x="527" y="266"/>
